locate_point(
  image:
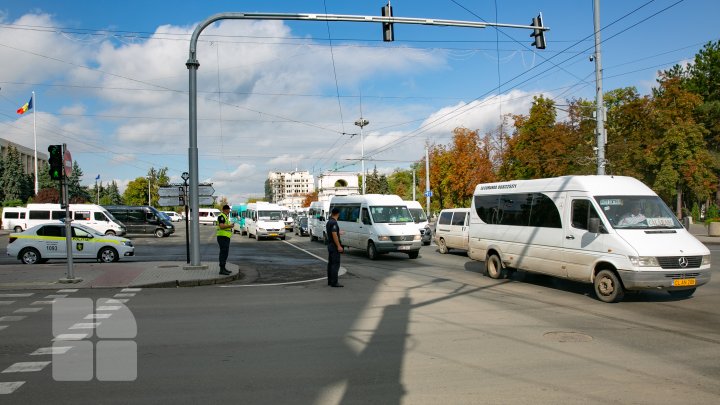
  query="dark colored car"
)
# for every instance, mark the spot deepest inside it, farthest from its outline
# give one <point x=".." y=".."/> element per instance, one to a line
<point x="142" y="219"/>
<point x="301" y="226"/>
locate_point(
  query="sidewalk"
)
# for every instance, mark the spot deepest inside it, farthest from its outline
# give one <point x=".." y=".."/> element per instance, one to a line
<point x="701" y="233"/>
<point x="115" y="275"/>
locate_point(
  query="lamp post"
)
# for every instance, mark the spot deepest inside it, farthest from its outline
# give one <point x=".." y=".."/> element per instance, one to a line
<point x="149" y="202"/>
<point x="185" y="176"/>
<point x="362" y="122"/>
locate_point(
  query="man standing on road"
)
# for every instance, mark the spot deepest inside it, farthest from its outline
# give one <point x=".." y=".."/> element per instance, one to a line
<point x="334" y="248"/>
<point x="224" y="232"/>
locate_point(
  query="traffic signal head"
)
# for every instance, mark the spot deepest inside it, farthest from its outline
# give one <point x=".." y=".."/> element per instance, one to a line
<point x="388" y="34"/>
<point x="56" y="162"/>
<point x="537" y="33"/>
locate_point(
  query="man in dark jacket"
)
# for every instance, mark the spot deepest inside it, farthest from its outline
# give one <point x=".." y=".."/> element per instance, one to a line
<point x="334" y="248"/>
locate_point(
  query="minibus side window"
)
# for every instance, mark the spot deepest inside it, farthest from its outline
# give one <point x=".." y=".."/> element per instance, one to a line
<point x="582" y="212"/>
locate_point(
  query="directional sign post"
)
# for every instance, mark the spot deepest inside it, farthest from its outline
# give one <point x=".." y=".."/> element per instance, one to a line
<point x="205" y="190"/>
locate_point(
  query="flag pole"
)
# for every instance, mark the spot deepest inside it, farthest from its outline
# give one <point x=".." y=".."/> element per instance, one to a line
<point x="35" y="141"/>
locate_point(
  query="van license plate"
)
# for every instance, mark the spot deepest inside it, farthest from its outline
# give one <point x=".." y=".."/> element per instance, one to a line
<point x="272" y="234"/>
<point x="684" y="282"/>
<point x="403" y="247"/>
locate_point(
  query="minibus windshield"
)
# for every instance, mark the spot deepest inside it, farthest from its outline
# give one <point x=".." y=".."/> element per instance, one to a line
<point x="418" y="215"/>
<point x="270" y="215"/>
<point x="637" y="212"/>
<point x="391" y="214"/>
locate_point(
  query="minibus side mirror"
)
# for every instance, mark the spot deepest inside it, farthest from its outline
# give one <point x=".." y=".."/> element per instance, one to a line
<point x="594" y="225"/>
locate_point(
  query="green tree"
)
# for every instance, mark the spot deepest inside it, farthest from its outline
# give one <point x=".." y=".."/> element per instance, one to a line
<point x="110" y="195"/>
<point x="77" y="193"/>
<point x="136" y="192"/>
<point x="400" y="182"/>
<point x="14" y="183"/>
<point x="376" y="183"/>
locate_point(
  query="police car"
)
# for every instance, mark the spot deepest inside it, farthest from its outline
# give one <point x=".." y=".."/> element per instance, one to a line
<point x="47" y="241"/>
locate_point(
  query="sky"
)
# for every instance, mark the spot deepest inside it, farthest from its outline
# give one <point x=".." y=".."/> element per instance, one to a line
<point x="110" y="78"/>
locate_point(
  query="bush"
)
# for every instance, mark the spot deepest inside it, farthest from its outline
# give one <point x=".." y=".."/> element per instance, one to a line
<point x="695" y="213"/>
<point x="712" y="214"/>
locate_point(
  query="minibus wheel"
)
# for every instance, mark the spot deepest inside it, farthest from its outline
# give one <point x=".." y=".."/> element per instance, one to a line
<point x="372" y="251"/>
<point x="110" y="232"/>
<point x="493" y="266"/>
<point x="682" y="293"/>
<point x="608" y="287"/>
<point x="18" y="229"/>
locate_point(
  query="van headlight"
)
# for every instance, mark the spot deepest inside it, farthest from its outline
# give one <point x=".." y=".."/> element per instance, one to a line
<point x="383" y="238"/>
<point x="261" y="229"/>
<point x="706" y="260"/>
<point x="644" y="261"/>
<point x="417" y="237"/>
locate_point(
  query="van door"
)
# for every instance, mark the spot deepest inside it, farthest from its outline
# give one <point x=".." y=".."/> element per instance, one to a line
<point x="580" y="247"/>
<point x="363" y="229"/>
<point x="457" y="230"/>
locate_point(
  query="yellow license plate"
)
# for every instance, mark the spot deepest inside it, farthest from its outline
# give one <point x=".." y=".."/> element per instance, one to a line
<point x="273" y="234"/>
<point x="684" y="282"/>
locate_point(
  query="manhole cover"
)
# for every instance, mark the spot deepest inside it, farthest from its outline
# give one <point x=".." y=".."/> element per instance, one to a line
<point x="567" y="337"/>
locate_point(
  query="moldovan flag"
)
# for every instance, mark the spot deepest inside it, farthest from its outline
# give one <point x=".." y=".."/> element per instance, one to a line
<point x="28" y="106"/>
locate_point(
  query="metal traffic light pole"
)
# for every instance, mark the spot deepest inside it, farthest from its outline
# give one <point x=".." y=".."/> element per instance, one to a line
<point x="193" y="64"/>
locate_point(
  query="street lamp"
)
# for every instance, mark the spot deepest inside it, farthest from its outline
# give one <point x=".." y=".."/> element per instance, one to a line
<point x="362" y="122"/>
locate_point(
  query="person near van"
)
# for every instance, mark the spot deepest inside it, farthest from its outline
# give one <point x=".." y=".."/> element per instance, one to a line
<point x="224" y="232"/>
<point x="633" y="217"/>
<point x="334" y="248"/>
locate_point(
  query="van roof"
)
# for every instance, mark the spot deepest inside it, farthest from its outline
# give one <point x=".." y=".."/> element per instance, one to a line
<point x="595" y="185"/>
<point x="455" y="210"/>
<point x="371" y="199"/>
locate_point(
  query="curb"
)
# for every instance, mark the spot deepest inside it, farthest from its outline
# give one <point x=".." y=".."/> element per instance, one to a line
<point x="193" y="283"/>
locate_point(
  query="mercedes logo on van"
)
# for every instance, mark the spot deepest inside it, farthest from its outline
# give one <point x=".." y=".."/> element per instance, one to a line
<point x="683" y="261"/>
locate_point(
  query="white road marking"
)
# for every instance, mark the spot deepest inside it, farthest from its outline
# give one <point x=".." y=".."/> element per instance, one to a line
<point x="51" y="350"/>
<point x="121" y="295"/>
<point x="71" y="336"/>
<point x="108" y="308"/>
<point x="131" y="290"/>
<point x="98" y="316"/>
<point x="27" y="310"/>
<point x="57" y="296"/>
<point x="16" y="295"/>
<point x="26" y="367"/>
<point x="11" y="318"/>
<point x="88" y="325"/>
<point x="6" y="302"/>
<point x="43" y="302"/>
<point x="115" y="301"/>
<point x="10" y="387"/>
<point x="68" y="290"/>
<point x="3" y="327"/>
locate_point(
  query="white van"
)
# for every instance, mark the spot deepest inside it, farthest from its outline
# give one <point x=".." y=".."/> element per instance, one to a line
<point x="377" y="224"/>
<point x="588" y="229"/>
<point x="264" y="220"/>
<point x="318" y="213"/>
<point x="208" y="216"/>
<point x="416" y="210"/>
<point x="91" y="215"/>
<point x="452" y="229"/>
<point x="14" y="218"/>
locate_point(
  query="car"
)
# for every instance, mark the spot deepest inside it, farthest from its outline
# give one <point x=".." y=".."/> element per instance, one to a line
<point x="174" y="216"/>
<point x="300" y="226"/>
<point x="48" y="241"/>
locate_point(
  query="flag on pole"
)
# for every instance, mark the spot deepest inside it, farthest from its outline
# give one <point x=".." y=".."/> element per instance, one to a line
<point x="98" y="177"/>
<point x="28" y="106"/>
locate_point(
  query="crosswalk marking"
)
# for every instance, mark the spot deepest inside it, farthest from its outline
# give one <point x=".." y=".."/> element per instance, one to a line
<point x="108" y="308"/>
<point x="121" y="295"/>
<point x="6" y="302"/>
<point x="3" y="327"/>
<point x="27" y="310"/>
<point x="68" y="290"/>
<point x="51" y="350"/>
<point x="56" y="296"/>
<point x="116" y="301"/>
<point x="131" y="290"/>
<point x="16" y="295"/>
<point x="71" y="336"/>
<point x="12" y="318"/>
<point x="10" y="387"/>
<point x="43" y="302"/>
<point x="98" y="316"/>
<point x="26" y="367"/>
<point x="87" y="325"/>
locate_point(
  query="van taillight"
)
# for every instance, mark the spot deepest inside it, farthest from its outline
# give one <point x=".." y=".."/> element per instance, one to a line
<point x="12" y="239"/>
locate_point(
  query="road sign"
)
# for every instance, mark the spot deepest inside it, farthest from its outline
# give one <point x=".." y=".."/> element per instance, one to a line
<point x="428" y="193"/>
<point x="205" y="190"/>
<point x="171" y="201"/>
<point x="67" y="159"/>
<point x="206" y="200"/>
<point x="171" y="191"/>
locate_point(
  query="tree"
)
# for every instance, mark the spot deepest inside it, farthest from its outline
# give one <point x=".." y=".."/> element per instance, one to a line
<point x="14" y="183"/>
<point x="400" y="182"/>
<point x="47" y="195"/>
<point x="470" y="165"/>
<point x="77" y="193"/>
<point x="111" y="195"/>
<point x="136" y="192"/>
<point x="376" y="183"/>
<point x="309" y="198"/>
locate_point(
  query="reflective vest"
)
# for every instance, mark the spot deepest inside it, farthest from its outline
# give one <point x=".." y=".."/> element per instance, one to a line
<point x="224" y="232"/>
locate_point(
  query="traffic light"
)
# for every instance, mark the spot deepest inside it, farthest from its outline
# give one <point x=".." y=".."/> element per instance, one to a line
<point x="388" y="35"/>
<point x="539" y="34"/>
<point x="56" y="162"/>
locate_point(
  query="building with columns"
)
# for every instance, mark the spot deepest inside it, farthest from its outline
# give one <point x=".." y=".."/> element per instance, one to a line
<point x="27" y="156"/>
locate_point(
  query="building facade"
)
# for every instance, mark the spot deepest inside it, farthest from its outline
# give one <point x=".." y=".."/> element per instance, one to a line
<point x="337" y="183"/>
<point x="27" y="156"/>
<point x="289" y="188"/>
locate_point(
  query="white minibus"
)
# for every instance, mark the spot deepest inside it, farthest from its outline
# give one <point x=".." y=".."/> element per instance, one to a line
<point x="611" y="231"/>
<point x="317" y="216"/>
<point x="418" y="213"/>
<point x="452" y="229"/>
<point x="264" y="220"/>
<point x="91" y="215"/>
<point x="14" y="218"/>
<point x="377" y="224"/>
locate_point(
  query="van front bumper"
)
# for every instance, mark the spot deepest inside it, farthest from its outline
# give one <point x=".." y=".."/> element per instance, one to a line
<point x="402" y="247"/>
<point x="664" y="280"/>
<point x="271" y="233"/>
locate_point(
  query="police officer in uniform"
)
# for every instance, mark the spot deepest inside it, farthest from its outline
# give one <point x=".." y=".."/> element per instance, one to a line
<point x="334" y="248"/>
<point x="224" y="232"/>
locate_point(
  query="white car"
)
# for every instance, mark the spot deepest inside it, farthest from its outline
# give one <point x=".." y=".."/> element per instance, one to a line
<point x="47" y="241"/>
<point x="174" y="216"/>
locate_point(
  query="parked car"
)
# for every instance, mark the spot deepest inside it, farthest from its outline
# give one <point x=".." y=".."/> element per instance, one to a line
<point x="48" y="241"/>
<point x="174" y="216"/>
<point x="301" y="226"/>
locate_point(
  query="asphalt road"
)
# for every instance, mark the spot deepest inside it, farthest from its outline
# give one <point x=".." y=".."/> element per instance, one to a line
<point x="425" y="331"/>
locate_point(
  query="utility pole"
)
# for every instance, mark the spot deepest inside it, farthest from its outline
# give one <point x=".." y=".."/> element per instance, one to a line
<point x="427" y="181"/>
<point x="599" y="106"/>
<point x="361" y="123"/>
